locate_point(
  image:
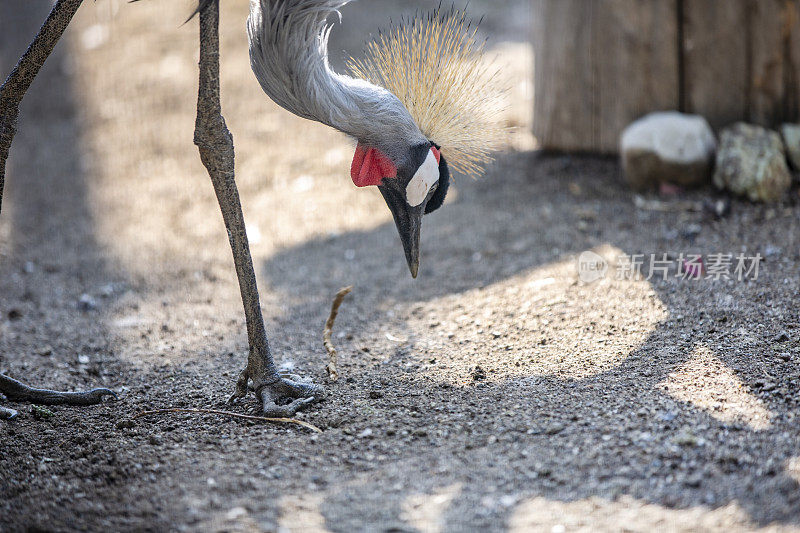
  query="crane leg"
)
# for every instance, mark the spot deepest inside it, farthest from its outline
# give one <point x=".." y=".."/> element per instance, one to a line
<point x="19" y="81"/>
<point x="11" y="94"/>
<point x="19" y="392"/>
<point x="215" y="144"/>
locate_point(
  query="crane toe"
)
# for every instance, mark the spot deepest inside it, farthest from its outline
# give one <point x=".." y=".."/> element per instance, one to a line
<point x="284" y="397"/>
<point x="6" y="413"/>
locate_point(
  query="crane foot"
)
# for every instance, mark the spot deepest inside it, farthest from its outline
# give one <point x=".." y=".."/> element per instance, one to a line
<point x="6" y="413"/>
<point x="17" y="391"/>
<point x="281" y="395"/>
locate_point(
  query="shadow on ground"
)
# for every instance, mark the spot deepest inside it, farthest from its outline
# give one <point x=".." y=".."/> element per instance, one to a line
<point x="641" y="426"/>
<point x="50" y="255"/>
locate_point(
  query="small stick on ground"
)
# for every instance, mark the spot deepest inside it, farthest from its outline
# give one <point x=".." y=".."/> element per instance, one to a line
<point x="231" y="414"/>
<point x="333" y="372"/>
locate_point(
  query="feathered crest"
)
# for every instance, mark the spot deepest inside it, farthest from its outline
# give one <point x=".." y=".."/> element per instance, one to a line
<point x="435" y="65"/>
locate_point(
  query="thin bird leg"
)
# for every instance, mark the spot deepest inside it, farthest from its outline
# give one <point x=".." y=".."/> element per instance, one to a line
<point x="11" y="94"/>
<point x="215" y="144"/>
<point x="16" y="85"/>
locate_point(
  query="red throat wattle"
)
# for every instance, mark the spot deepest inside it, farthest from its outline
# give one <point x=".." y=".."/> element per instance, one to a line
<point x="370" y="166"/>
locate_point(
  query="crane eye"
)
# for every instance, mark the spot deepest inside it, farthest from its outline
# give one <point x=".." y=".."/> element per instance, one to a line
<point x="425" y="179"/>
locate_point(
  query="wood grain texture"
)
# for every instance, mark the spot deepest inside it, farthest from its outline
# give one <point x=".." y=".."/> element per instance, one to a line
<point x="715" y="55"/>
<point x="740" y="60"/>
<point x="563" y="98"/>
<point x="792" y="75"/>
<point x="636" y="64"/>
<point x="599" y="65"/>
<point x="769" y="30"/>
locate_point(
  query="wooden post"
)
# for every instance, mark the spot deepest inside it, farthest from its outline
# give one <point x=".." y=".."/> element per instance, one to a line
<point x="602" y="63"/>
<point x="714" y="55"/>
<point x="775" y="90"/>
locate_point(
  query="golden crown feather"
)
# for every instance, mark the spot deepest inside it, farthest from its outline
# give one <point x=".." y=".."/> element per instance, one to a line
<point x="435" y="65"/>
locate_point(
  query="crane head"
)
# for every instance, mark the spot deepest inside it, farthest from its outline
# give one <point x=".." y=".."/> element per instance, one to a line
<point x="411" y="190"/>
<point x="421" y="92"/>
<point x="434" y="65"/>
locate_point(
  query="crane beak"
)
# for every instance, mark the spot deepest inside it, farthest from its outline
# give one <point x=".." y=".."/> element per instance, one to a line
<point x="408" y="221"/>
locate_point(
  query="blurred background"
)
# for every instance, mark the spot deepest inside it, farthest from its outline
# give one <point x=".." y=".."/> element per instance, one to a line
<point x="604" y="63"/>
<point x="497" y="392"/>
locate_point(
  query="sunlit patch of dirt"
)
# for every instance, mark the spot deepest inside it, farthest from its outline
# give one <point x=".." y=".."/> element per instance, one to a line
<point x="425" y="512"/>
<point x="543" y="322"/>
<point x="705" y="382"/>
<point x="626" y="514"/>
<point x="302" y="513"/>
<point x="793" y="468"/>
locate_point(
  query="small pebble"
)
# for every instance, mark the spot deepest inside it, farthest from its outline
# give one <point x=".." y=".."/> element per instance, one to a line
<point x="669" y="416"/>
<point x="686" y="438"/>
<point x="87" y="303"/>
<point x="553" y="429"/>
<point x="717" y="208"/>
<point x="107" y="290"/>
<point x="691" y="231"/>
<point x="41" y="413"/>
<point x="236" y="513"/>
<point x="478" y="374"/>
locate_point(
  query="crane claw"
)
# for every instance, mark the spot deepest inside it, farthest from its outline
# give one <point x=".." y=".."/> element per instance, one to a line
<point x="284" y="387"/>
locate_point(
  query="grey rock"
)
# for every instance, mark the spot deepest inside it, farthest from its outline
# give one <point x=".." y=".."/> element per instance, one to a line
<point x="719" y="208"/>
<point x="87" y="303"/>
<point x="751" y="162"/>
<point x="46" y="351"/>
<point x="668" y="147"/>
<point x="791" y="138"/>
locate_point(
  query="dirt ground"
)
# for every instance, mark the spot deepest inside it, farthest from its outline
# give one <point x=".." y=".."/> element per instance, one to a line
<point x="497" y="392"/>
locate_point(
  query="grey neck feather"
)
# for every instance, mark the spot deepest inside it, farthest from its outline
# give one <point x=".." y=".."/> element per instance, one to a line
<point x="289" y="56"/>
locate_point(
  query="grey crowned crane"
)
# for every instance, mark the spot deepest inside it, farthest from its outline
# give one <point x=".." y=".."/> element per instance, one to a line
<point x="419" y="100"/>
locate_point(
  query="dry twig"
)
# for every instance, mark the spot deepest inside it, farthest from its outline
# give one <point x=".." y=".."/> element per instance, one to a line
<point x="231" y="414"/>
<point x="333" y="373"/>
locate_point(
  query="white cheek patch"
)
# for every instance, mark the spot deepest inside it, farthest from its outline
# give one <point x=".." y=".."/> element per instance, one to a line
<point x="419" y="186"/>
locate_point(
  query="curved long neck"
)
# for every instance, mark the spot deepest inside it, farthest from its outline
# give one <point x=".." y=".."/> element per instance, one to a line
<point x="289" y="56"/>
